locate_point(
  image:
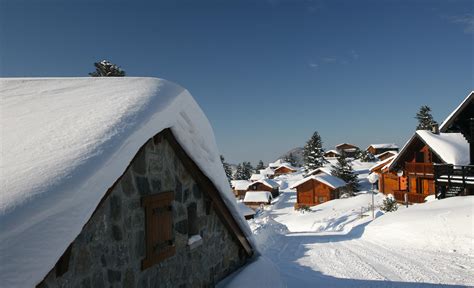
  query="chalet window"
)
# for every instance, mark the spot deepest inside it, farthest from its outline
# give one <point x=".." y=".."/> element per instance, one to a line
<point x="158" y="228"/>
<point x="193" y="228"/>
<point x="419" y="157"/>
<point x="322" y="199"/>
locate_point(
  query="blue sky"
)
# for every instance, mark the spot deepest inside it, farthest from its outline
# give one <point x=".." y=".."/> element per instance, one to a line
<point x="266" y="73"/>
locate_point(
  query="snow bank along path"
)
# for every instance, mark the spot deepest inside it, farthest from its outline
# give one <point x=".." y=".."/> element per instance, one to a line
<point x="64" y="142"/>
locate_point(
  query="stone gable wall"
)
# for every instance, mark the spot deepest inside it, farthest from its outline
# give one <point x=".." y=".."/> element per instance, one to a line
<point x="109" y="249"/>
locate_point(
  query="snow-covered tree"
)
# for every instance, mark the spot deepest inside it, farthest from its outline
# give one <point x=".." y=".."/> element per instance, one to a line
<point x="244" y="171"/>
<point x="227" y="169"/>
<point x="389" y="204"/>
<point x="425" y="119"/>
<point x="248" y="169"/>
<point x="313" y="152"/>
<point x="290" y="158"/>
<point x="364" y="156"/>
<point x="105" y="68"/>
<point x="343" y="169"/>
<point x="260" y="166"/>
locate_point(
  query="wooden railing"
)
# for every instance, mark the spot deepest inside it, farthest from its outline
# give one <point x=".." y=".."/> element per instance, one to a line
<point x="425" y="169"/>
<point x="412" y="197"/>
<point x="450" y="180"/>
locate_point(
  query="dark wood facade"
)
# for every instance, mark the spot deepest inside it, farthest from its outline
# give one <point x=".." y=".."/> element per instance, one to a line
<point x="312" y="192"/>
<point x="258" y="186"/>
<point x="347" y="149"/>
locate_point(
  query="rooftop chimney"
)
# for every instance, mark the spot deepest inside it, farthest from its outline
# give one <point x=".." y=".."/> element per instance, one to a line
<point x="435" y="128"/>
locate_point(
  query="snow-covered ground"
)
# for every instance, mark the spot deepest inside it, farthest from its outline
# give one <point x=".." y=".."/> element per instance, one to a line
<point x="337" y="244"/>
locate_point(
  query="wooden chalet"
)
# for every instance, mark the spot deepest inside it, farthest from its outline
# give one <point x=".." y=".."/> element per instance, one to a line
<point x="331" y="154"/>
<point x="376" y="149"/>
<point x="324" y="170"/>
<point x="417" y="159"/>
<point x="239" y="187"/>
<point x="385" y="155"/>
<point x="265" y="185"/>
<point x="285" y="169"/>
<point x="388" y="182"/>
<point x="255" y="199"/>
<point x="317" y="189"/>
<point x="450" y="179"/>
<point x="347" y="149"/>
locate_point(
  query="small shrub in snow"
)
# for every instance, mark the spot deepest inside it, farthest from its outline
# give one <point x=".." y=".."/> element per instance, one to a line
<point x="303" y="208"/>
<point x="389" y="204"/>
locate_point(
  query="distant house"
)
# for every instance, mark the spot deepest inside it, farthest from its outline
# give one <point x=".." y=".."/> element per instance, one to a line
<point x="324" y="170"/>
<point x="285" y="169"/>
<point x="417" y="158"/>
<point x="347" y="149"/>
<point x="239" y="187"/>
<point x="255" y="177"/>
<point x="317" y="189"/>
<point x="265" y="185"/>
<point x="331" y="154"/>
<point x="255" y="199"/>
<point x="267" y="172"/>
<point x="128" y="190"/>
<point x="387" y="154"/>
<point x="375" y="149"/>
<point x="277" y="164"/>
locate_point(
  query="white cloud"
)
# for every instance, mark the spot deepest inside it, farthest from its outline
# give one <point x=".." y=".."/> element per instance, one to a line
<point x="466" y="20"/>
<point x="354" y="54"/>
<point x="313" y="65"/>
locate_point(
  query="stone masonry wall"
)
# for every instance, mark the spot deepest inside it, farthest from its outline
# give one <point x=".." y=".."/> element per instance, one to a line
<point x="109" y="250"/>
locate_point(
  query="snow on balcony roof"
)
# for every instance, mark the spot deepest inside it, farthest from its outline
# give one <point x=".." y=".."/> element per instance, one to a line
<point x="469" y="99"/>
<point x="329" y="180"/>
<point x="258" y="196"/>
<point x="384" y="146"/>
<point x="65" y="141"/>
<point x="268" y="182"/>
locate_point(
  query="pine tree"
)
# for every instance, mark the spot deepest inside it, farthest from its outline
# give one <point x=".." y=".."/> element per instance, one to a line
<point x="290" y="158"/>
<point x="105" y="68"/>
<point x="364" y="156"/>
<point x="227" y="169"/>
<point x="425" y="119"/>
<point x="343" y="169"/>
<point x="260" y="166"/>
<point x="248" y="169"/>
<point x="313" y="152"/>
<point x="239" y="173"/>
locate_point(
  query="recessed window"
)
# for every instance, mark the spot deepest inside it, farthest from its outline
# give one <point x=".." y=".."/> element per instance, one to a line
<point x="159" y="234"/>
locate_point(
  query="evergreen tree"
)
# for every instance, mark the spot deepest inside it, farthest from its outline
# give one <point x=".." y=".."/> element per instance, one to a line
<point x="248" y="169"/>
<point x="425" y="119"/>
<point x="239" y="173"/>
<point x="106" y="69"/>
<point x="364" y="156"/>
<point x="313" y="152"/>
<point x="290" y="158"/>
<point x="227" y="169"/>
<point x="260" y="166"/>
<point x="343" y="169"/>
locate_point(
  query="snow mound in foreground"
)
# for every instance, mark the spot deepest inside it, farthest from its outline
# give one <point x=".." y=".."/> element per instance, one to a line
<point x="65" y="142"/>
<point x="444" y="225"/>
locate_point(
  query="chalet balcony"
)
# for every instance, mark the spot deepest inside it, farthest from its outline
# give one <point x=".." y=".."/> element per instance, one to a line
<point x="412" y="197"/>
<point x="453" y="180"/>
<point x="419" y="169"/>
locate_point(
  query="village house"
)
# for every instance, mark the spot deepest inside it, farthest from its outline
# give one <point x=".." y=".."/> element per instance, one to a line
<point x="385" y="155"/>
<point x="255" y="177"/>
<point x="276" y="164"/>
<point x="114" y="182"/>
<point x="267" y="173"/>
<point x="285" y="169"/>
<point x="331" y="154"/>
<point x="265" y="185"/>
<point x="317" y="189"/>
<point x="255" y="199"/>
<point x="347" y="149"/>
<point x="388" y="181"/>
<point x="325" y="170"/>
<point x="376" y="149"/>
<point x="239" y="187"/>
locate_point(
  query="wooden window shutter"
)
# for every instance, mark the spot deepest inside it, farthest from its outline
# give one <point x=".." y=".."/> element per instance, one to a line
<point x="159" y="228"/>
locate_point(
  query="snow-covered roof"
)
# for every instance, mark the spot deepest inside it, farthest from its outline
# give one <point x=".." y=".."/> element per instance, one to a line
<point x="256" y="177"/>
<point x="451" y="148"/>
<point x="383" y="163"/>
<point x="277" y="163"/>
<point x="287" y="165"/>
<point x="330" y="180"/>
<point x="244" y="209"/>
<point x="384" y="146"/>
<point x="258" y="196"/>
<point x="325" y="170"/>
<point x="467" y="101"/>
<point x="267" y="171"/>
<point x="240" y="184"/>
<point x="385" y="153"/>
<point x="66" y="141"/>
<point x="268" y="182"/>
<point x="342" y="144"/>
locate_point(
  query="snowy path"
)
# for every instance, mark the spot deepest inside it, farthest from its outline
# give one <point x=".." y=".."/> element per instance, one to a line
<point x="341" y="258"/>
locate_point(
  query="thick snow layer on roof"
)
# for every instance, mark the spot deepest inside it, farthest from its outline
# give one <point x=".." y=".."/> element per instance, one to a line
<point x="453" y="148"/>
<point x="258" y="196"/>
<point x="240" y="184"/>
<point x="383" y="163"/>
<point x="287" y="165"/>
<point x="66" y="141"/>
<point x="384" y="146"/>
<point x="244" y="209"/>
<point x="332" y="151"/>
<point x="256" y="177"/>
<point x="330" y="180"/>
<point x="267" y="171"/>
<point x="326" y="170"/>
<point x="277" y="163"/>
<point x="269" y="183"/>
